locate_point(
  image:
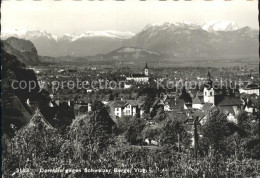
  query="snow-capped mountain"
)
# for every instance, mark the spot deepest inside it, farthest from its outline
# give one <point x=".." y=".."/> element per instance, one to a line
<point x="167" y="25"/>
<point x="108" y="34"/>
<point x="171" y="39"/>
<point x="27" y="34"/>
<point x="220" y="26"/>
<point x="194" y="40"/>
<point x="87" y="43"/>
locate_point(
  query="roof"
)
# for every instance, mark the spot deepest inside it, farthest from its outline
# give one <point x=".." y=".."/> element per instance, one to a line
<point x="197" y="100"/>
<point x="175" y="103"/>
<point x="134" y="102"/>
<point x="207" y="106"/>
<point x="117" y="104"/>
<point x="230" y="101"/>
<point x="251" y="86"/>
<point x="157" y="102"/>
<point x="228" y="109"/>
<point x="199" y="114"/>
<point x="12" y="106"/>
<point x="138" y="75"/>
<point x="36" y="118"/>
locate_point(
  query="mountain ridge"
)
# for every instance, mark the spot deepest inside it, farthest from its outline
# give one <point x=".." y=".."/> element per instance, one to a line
<point x="172" y="39"/>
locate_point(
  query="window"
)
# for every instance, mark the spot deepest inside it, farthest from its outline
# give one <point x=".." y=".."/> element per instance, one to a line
<point x="210" y="93"/>
<point x="205" y="93"/>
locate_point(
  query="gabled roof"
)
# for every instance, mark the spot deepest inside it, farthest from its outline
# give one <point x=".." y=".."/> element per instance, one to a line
<point x="117" y="104"/>
<point x="13" y="105"/>
<point x="206" y="107"/>
<point x="197" y="100"/>
<point x="157" y="102"/>
<point x="38" y="118"/>
<point x="230" y="101"/>
<point x="134" y="102"/>
<point x="178" y="104"/>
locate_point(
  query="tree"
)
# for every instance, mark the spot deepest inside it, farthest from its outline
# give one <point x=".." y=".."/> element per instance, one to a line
<point x="215" y="131"/>
<point x="90" y="134"/>
<point x="64" y="117"/>
<point x="36" y="145"/>
<point x="174" y="134"/>
<point x="185" y="96"/>
<point x="133" y="133"/>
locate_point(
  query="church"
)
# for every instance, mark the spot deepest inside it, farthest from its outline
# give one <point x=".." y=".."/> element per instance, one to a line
<point x="141" y="77"/>
<point x="215" y="96"/>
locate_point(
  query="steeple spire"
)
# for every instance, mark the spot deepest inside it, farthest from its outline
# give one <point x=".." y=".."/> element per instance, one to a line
<point x="146" y="66"/>
<point x="209" y="77"/>
<point x="210" y="82"/>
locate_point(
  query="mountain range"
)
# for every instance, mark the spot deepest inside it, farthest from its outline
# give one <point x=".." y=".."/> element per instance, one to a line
<point x="219" y="38"/>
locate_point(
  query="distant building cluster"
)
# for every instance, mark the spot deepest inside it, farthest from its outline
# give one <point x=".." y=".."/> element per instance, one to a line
<point x="140" y="77"/>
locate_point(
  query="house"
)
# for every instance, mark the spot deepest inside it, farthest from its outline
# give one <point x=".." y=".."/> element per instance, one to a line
<point x="250" y="89"/>
<point x="176" y="104"/>
<point x="116" y="108"/>
<point x="134" y="107"/>
<point x="158" y="103"/>
<point x="231" y="106"/>
<point x="198" y="102"/>
<point x="38" y="119"/>
<point x="81" y="108"/>
<point x="251" y="106"/>
<point x="119" y="108"/>
<point x="140" y="78"/>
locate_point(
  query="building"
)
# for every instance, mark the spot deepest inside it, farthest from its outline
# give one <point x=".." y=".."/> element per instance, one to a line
<point x="141" y="77"/>
<point x="121" y="108"/>
<point x="231" y="106"/>
<point x="209" y="92"/>
<point x="250" y="89"/>
<point x="38" y="119"/>
<point x="198" y="102"/>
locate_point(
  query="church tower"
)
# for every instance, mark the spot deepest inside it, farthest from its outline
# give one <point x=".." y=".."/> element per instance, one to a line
<point x="146" y="70"/>
<point x="208" y="92"/>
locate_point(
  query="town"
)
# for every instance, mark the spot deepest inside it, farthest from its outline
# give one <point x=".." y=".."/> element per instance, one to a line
<point x="141" y="97"/>
<point x="125" y="89"/>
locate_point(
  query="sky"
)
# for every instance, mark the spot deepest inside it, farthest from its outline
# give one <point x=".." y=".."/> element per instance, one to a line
<point x="71" y="16"/>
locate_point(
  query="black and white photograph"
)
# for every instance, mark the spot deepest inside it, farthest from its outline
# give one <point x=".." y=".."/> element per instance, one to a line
<point x="130" y="89"/>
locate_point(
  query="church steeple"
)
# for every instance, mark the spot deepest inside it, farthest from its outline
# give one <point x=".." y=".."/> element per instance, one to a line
<point x="146" y="66"/>
<point x="146" y="70"/>
<point x="209" y="83"/>
<point x="209" y="77"/>
<point x="209" y="93"/>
